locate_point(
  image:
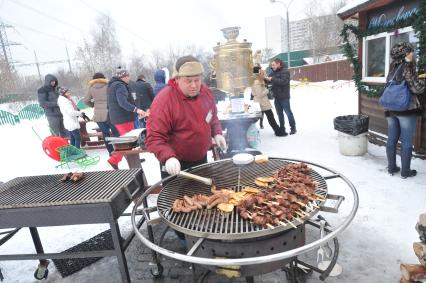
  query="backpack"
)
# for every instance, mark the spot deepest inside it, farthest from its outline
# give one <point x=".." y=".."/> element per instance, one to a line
<point x="396" y="97"/>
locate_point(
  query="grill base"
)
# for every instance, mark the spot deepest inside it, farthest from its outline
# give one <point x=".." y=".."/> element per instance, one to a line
<point x="254" y="247"/>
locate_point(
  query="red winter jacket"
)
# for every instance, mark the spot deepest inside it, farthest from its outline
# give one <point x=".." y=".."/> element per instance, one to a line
<point x="177" y="125"/>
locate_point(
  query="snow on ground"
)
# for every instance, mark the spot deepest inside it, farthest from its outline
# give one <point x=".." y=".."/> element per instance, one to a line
<point x="379" y="238"/>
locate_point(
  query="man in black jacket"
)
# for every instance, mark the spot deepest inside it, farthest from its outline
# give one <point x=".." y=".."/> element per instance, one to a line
<point x="121" y="108"/>
<point x="48" y="100"/>
<point x="279" y="80"/>
<point x="144" y="96"/>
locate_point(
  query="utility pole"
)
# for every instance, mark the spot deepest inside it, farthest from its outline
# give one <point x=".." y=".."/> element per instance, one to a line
<point x="7" y="68"/>
<point x="69" y="60"/>
<point x="288" y="28"/>
<point x="289" y="39"/>
<point x="38" y="67"/>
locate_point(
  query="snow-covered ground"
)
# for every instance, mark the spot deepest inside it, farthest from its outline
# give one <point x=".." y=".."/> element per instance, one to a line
<point x="379" y="238"/>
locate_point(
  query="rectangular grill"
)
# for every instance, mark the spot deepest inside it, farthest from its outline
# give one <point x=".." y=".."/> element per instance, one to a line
<point x="48" y="190"/>
<point x="212" y="223"/>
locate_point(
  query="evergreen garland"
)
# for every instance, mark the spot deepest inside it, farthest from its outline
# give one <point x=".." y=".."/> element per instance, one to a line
<point x="419" y="26"/>
<point x="418" y="21"/>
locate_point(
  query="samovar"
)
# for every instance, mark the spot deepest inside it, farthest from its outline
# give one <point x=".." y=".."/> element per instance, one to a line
<point x="233" y="63"/>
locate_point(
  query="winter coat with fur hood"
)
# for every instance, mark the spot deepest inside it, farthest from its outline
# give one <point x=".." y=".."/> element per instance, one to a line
<point x="97" y="97"/>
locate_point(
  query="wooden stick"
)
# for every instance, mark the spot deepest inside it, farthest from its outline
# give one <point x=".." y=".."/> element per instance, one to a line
<point x="303" y="212"/>
<point x="314" y="205"/>
<point x="249" y="215"/>
<point x="300" y="203"/>
<point x="288" y="222"/>
<point x="298" y="219"/>
<point x="269" y="226"/>
<point x="300" y="214"/>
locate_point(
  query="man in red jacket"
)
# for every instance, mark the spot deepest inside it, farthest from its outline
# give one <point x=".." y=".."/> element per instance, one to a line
<point x="183" y="119"/>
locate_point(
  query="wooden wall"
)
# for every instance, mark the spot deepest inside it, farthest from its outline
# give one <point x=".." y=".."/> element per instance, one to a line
<point x="334" y="70"/>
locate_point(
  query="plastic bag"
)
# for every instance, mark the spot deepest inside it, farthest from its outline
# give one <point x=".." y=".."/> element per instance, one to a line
<point x="351" y="124"/>
<point x="253" y="137"/>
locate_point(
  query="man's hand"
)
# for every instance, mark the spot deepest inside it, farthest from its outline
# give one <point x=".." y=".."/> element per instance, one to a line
<point x="268" y="79"/>
<point x="141" y="113"/>
<point x="172" y="166"/>
<point x="220" y="141"/>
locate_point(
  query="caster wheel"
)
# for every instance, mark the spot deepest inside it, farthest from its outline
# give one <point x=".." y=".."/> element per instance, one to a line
<point x="41" y="273"/>
<point x="157" y="272"/>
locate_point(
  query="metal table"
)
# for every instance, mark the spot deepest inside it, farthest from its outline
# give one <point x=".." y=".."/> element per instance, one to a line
<point x="39" y="201"/>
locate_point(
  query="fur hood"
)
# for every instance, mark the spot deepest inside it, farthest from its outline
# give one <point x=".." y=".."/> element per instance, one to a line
<point x="98" y="81"/>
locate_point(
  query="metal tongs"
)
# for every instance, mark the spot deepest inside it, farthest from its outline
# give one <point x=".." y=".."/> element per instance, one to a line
<point x="204" y="180"/>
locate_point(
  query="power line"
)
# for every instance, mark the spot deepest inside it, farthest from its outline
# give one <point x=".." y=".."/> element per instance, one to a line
<point x="119" y="25"/>
<point x="44" y="33"/>
<point x="47" y="15"/>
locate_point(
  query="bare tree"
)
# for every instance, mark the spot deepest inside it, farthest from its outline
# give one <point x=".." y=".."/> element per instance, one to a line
<point x="323" y="27"/>
<point x="267" y="54"/>
<point x="103" y="54"/>
<point x="139" y="65"/>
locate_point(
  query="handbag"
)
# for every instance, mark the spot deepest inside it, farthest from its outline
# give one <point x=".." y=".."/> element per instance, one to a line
<point x="396" y="97"/>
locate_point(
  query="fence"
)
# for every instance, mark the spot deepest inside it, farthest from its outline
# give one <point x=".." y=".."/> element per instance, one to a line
<point x="334" y="70"/>
<point x="29" y="112"/>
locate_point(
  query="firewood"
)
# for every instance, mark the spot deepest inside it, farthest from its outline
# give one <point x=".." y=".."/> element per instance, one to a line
<point x="403" y="280"/>
<point x="414" y="272"/>
<point x="420" y="251"/>
<point x="422" y="219"/>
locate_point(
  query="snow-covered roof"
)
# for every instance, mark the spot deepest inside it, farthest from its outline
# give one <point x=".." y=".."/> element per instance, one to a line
<point x="358" y="5"/>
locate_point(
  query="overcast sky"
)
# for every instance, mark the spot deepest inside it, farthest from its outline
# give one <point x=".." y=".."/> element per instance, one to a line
<point x="142" y="26"/>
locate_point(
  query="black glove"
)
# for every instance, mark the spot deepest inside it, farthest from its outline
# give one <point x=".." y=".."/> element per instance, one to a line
<point x="85" y="118"/>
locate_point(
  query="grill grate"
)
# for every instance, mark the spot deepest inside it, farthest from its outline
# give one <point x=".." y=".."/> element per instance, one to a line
<point x="212" y="223"/>
<point x="48" y="190"/>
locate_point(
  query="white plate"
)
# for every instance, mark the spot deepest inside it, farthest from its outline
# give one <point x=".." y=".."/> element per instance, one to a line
<point x="242" y="158"/>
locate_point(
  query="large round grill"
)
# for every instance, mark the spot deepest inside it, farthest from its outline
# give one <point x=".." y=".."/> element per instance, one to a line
<point x="214" y="224"/>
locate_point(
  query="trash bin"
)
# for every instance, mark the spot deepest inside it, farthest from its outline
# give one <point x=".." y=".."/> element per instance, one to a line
<point x="352" y="134"/>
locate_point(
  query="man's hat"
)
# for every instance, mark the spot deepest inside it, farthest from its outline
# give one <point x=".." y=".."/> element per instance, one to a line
<point x="187" y="66"/>
<point x="121" y="73"/>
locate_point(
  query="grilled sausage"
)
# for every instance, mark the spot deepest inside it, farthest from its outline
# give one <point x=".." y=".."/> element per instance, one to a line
<point x="220" y="199"/>
<point x="176" y="206"/>
<point x="188" y="200"/>
<point x="212" y="199"/>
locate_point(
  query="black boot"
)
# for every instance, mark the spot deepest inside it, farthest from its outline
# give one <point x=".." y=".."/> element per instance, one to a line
<point x="281" y="132"/>
<point x="410" y="173"/>
<point x="293" y="131"/>
<point x="392" y="171"/>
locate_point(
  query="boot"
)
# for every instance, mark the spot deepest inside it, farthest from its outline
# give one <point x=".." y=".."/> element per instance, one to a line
<point x="281" y="132"/>
<point x="114" y="166"/>
<point x="293" y="131"/>
<point x="394" y="170"/>
<point x="410" y="173"/>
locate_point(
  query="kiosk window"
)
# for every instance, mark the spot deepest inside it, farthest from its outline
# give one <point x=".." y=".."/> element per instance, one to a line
<point x="376" y="52"/>
<point x="376" y="59"/>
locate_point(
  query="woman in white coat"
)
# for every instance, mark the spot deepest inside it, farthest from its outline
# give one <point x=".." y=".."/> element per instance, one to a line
<point x="260" y="95"/>
<point x="71" y="113"/>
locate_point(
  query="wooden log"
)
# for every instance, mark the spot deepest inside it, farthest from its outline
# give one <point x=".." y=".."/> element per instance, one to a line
<point x="414" y="272"/>
<point x="420" y="251"/>
<point x="422" y="219"/>
<point x="403" y="280"/>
